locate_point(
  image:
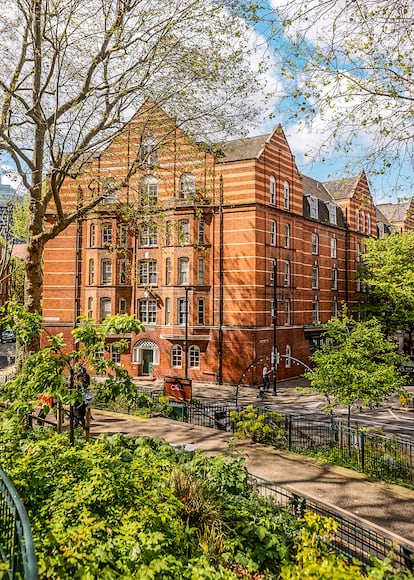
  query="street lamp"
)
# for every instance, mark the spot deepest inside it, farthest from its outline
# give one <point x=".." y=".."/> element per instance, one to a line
<point x="274" y="318"/>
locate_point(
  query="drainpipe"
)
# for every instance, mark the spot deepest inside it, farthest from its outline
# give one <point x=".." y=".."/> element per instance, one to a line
<point x="221" y="289"/>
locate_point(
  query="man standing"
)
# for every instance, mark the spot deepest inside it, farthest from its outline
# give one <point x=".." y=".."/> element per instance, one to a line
<point x="266" y="380"/>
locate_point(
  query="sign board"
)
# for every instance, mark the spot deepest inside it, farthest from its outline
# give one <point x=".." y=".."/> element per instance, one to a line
<point x="177" y="389"/>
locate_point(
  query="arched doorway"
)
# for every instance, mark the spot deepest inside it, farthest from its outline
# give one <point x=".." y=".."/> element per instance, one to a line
<point x="145" y="354"/>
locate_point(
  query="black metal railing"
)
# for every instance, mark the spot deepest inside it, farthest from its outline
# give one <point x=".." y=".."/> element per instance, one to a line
<point x="354" y="537"/>
<point x="16" y="543"/>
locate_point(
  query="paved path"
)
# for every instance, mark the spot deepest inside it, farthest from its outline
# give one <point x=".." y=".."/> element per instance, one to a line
<point x="388" y="506"/>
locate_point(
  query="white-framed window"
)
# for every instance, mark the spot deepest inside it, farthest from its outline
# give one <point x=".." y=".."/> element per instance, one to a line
<point x="334" y="308"/>
<point x="201" y="231"/>
<point x="272" y="190"/>
<point x="106" y="272"/>
<point x="201" y="312"/>
<point x="357" y="252"/>
<point x="168" y="271"/>
<point x="314" y="207"/>
<point x="286" y="236"/>
<point x="286" y="195"/>
<point x="287" y="312"/>
<point x="288" y="355"/>
<point x="334" y="278"/>
<point x="168" y="233"/>
<point x="183" y="271"/>
<point x="149" y="190"/>
<point x="106" y="234"/>
<point x="369" y="223"/>
<point x="315" y="244"/>
<point x="200" y="271"/>
<point x="333" y="247"/>
<point x="286" y="274"/>
<point x="148" y="236"/>
<point x="362" y="220"/>
<point x="91" y="272"/>
<point x="99" y="354"/>
<point x="315" y="277"/>
<point x="90" y="307"/>
<point x="105" y="308"/>
<point x="187" y="186"/>
<point x="148" y="152"/>
<point x="194" y="357"/>
<point x="176" y="356"/>
<point x="183" y="232"/>
<point x="272" y="233"/>
<point x="123" y="235"/>
<point x="148" y="311"/>
<point x="357" y="220"/>
<point x="181" y="310"/>
<point x="315" y="312"/>
<point x="332" y="213"/>
<point x="147" y="272"/>
<point x="115" y="354"/>
<point x="167" y="311"/>
<point x="122" y="306"/>
<point x="123" y="271"/>
<point x="273" y="269"/>
<point x="92" y="235"/>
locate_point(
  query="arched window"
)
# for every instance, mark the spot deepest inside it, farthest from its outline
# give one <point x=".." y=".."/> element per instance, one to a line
<point x="286" y="195"/>
<point x="122" y="306"/>
<point x="176" y="356"/>
<point x="362" y="219"/>
<point x="369" y="223"/>
<point x="201" y="231"/>
<point x="286" y="274"/>
<point x="200" y="271"/>
<point x="287" y="312"/>
<point x="357" y="220"/>
<point x="272" y="190"/>
<point x="168" y="271"/>
<point x="105" y="308"/>
<point x="187" y="186"/>
<point x="149" y="190"/>
<point x="194" y="357"/>
<point x="91" y="272"/>
<point x="183" y="232"/>
<point x="148" y="153"/>
<point x="167" y="311"/>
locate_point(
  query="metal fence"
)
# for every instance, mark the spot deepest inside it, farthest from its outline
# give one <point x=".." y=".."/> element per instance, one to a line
<point x="16" y="544"/>
<point x="353" y="537"/>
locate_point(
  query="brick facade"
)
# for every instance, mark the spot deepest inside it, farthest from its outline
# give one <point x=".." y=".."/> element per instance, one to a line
<point x="205" y="228"/>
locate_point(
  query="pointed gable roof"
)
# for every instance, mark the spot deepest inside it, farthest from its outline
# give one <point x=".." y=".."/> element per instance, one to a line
<point x="394" y="212"/>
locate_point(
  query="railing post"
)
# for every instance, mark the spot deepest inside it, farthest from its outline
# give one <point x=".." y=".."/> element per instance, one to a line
<point x="289" y="432"/>
<point x="362" y="434"/>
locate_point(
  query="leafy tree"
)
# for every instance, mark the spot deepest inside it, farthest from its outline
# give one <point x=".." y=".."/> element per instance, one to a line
<point x="351" y="65"/>
<point x="388" y="273"/>
<point x="54" y="370"/>
<point x="74" y="72"/>
<point x="355" y="365"/>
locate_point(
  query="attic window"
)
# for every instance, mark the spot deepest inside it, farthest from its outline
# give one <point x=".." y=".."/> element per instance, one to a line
<point x="313" y="204"/>
<point x="332" y="213"/>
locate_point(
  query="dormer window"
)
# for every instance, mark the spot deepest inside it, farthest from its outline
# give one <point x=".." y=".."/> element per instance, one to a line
<point x="313" y="205"/>
<point x="332" y="213"/>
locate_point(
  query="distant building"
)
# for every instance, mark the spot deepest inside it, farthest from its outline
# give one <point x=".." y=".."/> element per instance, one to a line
<point x="227" y="246"/>
<point x="399" y="215"/>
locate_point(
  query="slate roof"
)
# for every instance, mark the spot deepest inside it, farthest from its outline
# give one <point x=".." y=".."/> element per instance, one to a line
<point x="381" y="217"/>
<point x="242" y="149"/>
<point x="394" y="212"/>
<point x="342" y="188"/>
<point x="315" y="189"/>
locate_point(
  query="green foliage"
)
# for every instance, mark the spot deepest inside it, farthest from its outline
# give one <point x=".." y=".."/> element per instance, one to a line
<point x="388" y="272"/>
<point x="25" y="324"/>
<point x="250" y="423"/>
<point x="356" y="364"/>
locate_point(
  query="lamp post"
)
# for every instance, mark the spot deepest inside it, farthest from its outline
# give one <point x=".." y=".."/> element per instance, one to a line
<point x="274" y="319"/>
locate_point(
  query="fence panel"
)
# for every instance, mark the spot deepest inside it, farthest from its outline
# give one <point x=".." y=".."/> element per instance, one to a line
<point x="16" y="544"/>
<point x="354" y="538"/>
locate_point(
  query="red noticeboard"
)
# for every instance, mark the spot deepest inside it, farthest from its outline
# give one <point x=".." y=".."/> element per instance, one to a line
<point x="177" y="389"/>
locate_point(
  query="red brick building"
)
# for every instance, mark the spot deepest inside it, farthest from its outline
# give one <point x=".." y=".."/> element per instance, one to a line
<point x="184" y="227"/>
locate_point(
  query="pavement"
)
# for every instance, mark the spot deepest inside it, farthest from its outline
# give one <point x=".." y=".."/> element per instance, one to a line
<point x="388" y="506"/>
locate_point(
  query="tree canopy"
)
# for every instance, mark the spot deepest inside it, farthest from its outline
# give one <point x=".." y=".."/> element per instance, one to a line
<point x="350" y="64"/>
<point x="356" y="364"/>
<point x="387" y="271"/>
<point x="74" y="72"/>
